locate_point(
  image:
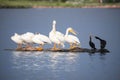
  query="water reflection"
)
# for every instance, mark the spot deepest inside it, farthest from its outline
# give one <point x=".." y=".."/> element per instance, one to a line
<point x="26" y="60"/>
<point x="51" y="61"/>
<point x="63" y="61"/>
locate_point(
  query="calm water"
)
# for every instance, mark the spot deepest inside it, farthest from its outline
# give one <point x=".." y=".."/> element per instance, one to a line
<point x="18" y="65"/>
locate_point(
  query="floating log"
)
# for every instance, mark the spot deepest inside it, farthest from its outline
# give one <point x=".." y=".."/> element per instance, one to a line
<point x="76" y="49"/>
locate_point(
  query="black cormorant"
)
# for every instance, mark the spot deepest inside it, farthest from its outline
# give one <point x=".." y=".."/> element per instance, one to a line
<point x="102" y="42"/>
<point x="92" y="45"/>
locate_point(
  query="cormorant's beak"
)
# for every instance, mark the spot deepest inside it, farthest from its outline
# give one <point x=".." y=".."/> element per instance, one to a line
<point x="72" y="31"/>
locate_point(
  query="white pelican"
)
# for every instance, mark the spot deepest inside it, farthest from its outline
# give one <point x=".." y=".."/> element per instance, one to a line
<point x="71" y="39"/>
<point x="27" y="38"/>
<point x="56" y="37"/>
<point x="17" y="39"/>
<point x="41" y="40"/>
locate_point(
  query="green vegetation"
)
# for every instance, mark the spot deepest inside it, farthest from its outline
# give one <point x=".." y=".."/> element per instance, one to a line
<point x="55" y="3"/>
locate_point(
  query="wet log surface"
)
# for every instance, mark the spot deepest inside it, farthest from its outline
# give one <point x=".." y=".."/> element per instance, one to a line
<point x="77" y="49"/>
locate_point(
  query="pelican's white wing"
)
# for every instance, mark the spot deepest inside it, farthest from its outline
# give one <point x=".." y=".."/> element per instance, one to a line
<point x="53" y="38"/>
<point x="36" y="39"/>
<point x="27" y="37"/>
<point x="60" y="37"/>
<point x="56" y="36"/>
<point x="17" y="39"/>
<point x="72" y="39"/>
<point x="44" y="38"/>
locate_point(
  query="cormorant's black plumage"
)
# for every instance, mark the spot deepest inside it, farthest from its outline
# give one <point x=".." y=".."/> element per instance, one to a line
<point x="102" y="42"/>
<point x="92" y="45"/>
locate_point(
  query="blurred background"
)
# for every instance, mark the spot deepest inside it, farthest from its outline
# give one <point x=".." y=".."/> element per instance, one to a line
<point x="56" y="3"/>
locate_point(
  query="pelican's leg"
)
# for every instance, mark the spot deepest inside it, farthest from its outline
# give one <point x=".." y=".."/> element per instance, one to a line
<point x="31" y="45"/>
<point x="40" y="47"/>
<point x="19" y="46"/>
<point x="71" y="45"/>
<point x="27" y="45"/>
<point x="54" y="47"/>
<point x="59" y="46"/>
<point x="74" y="45"/>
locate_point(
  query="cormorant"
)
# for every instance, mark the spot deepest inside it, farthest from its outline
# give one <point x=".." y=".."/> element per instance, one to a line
<point x="102" y="42"/>
<point x="92" y="45"/>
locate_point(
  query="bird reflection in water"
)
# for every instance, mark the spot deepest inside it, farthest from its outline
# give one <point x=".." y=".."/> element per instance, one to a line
<point x="50" y="61"/>
<point x="26" y="60"/>
<point x="63" y="61"/>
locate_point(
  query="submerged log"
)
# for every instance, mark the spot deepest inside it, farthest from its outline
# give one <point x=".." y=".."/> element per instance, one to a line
<point x="76" y="49"/>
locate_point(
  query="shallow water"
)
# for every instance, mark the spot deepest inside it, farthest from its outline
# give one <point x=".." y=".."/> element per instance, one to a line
<point x="20" y="65"/>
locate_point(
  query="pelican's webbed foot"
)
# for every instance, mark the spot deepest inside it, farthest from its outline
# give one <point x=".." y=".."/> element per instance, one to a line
<point x="39" y="49"/>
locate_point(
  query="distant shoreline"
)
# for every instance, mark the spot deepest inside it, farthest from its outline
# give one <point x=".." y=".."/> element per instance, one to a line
<point x="106" y="6"/>
<point x="40" y="4"/>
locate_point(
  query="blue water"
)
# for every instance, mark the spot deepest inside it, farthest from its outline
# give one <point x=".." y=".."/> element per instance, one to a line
<point x="18" y="65"/>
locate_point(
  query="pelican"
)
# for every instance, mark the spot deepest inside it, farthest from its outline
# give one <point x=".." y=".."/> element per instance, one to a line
<point x="41" y="40"/>
<point x="56" y="37"/>
<point x="17" y="39"/>
<point x="71" y="39"/>
<point x="27" y="38"/>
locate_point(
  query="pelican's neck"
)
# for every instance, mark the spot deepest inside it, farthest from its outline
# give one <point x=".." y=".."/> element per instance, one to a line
<point x="54" y="28"/>
<point x="67" y="31"/>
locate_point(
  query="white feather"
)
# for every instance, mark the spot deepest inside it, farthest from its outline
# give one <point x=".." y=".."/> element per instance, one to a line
<point x="27" y="37"/>
<point x="17" y="38"/>
<point x="56" y="36"/>
<point x="71" y="38"/>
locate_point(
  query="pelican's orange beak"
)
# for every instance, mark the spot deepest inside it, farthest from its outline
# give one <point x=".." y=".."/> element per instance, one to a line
<point x="73" y="31"/>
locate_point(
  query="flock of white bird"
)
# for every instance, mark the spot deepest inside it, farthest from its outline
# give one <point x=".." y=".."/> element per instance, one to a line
<point x="56" y="37"/>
